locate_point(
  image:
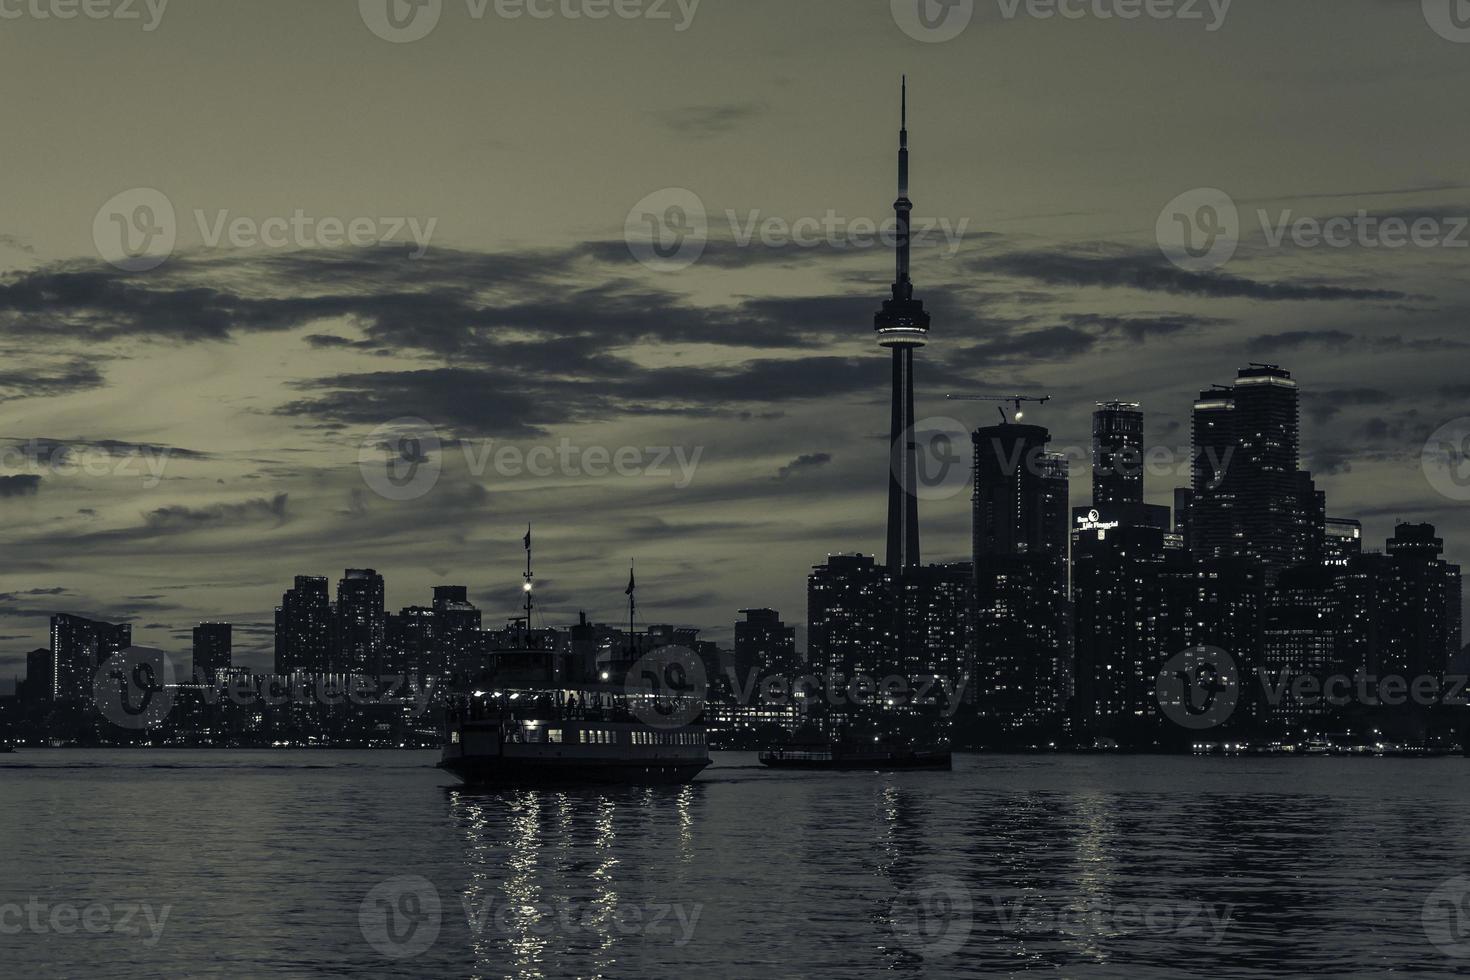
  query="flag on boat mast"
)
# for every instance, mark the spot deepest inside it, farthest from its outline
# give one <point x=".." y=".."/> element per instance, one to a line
<point x="631" y="584"/>
<point x="528" y="537"/>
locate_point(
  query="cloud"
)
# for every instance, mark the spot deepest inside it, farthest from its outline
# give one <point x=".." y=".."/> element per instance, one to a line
<point x="63" y="379"/>
<point x="803" y="463"/>
<point x="705" y="121"/>
<point x="524" y="404"/>
<point x="1339" y="339"/>
<point x="1151" y="273"/>
<point x="20" y="485"/>
<point x="178" y="517"/>
<point x="1322" y="404"/>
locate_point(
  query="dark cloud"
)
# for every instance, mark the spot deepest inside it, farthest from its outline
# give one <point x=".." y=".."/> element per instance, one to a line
<point x="64" y="379"/>
<point x="516" y="403"/>
<point x="1322" y="404"/>
<point x="803" y="463"/>
<point x="1340" y="339"/>
<point x="19" y="485"/>
<point x="1150" y="272"/>
<point x="704" y="121"/>
<point x="178" y="517"/>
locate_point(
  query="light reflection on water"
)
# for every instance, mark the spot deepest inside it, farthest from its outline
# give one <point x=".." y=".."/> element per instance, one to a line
<point x="1065" y="865"/>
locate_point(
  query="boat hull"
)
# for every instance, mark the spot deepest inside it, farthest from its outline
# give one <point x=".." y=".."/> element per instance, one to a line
<point x="495" y="771"/>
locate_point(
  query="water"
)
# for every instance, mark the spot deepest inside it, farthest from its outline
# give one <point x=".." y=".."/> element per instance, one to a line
<point x="348" y="864"/>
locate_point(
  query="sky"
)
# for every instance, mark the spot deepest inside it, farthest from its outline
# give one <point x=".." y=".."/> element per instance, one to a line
<point x="208" y="382"/>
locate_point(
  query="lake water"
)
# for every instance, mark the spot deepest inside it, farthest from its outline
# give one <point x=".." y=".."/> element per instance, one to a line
<point x="349" y="864"/>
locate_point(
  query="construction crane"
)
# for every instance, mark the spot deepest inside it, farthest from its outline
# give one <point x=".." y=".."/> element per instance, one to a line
<point x="1016" y="400"/>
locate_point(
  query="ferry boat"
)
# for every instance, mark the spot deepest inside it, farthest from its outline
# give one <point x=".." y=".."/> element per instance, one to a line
<point x="587" y="734"/>
<point x="546" y="710"/>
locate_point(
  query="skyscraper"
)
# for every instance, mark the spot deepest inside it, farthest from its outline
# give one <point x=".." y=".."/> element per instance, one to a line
<point x="935" y="633"/>
<point x="1212" y="518"/>
<point x="851" y="617"/>
<point x="764" y="643"/>
<point x="78" y="647"/>
<point x="1115" y="570"/>
<point x="305" y="629"/>
<point x="361" y="621"/>
<point x="1117" y="455"/>
<point x="1018" y="507"/>
<point x="1250" y="499"/>
<point x="412" y="644"/>
<point x="903" y="325"/>
<point x="458" y="622"/>
<point x="212" y="650"/>
<point x="1342" y="540"/>
<point x="39" y="677"/>
<point x="1019" y="545"/>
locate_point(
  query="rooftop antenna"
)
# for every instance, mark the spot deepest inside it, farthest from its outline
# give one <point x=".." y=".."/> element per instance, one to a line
<point x="632" y="605"/>
<point x="527" y="588"/>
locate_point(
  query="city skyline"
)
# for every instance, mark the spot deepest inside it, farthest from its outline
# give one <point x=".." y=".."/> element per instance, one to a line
<point x="281" y="363"/>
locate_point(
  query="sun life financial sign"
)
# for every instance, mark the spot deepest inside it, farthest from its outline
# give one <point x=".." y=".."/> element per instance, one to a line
<point x="1094" y="522"/>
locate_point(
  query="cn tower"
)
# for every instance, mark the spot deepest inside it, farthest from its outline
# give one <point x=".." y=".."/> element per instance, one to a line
<point x="903" y="325"/>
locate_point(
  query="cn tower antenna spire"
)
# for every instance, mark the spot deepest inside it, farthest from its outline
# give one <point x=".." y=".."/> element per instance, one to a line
<point x="903" y="207"/>
<point x="902" y="327"/>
